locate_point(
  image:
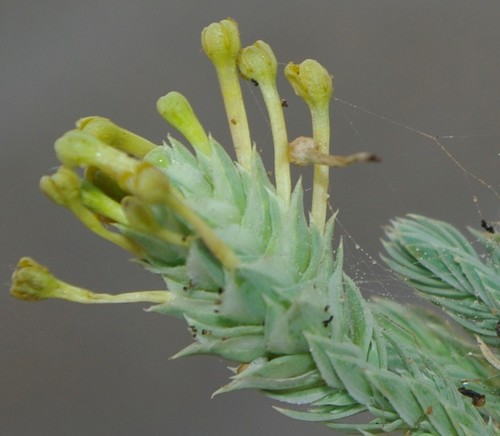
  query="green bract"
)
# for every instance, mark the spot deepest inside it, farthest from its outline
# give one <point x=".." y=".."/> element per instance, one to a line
<point x="258" y="282"/>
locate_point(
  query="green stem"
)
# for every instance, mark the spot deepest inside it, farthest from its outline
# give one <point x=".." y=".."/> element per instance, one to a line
<point x="258" y="63"/>
<point x="280" y="140"/>
<point x="321" y="135"/>
<point x="236" y="113"/>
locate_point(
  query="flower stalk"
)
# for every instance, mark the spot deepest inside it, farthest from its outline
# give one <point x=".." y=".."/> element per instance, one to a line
<point x="313" y="84"/>
<point x="257" y="62"/>
<point x="221" y="43"/>
<point x="32" y="281"/>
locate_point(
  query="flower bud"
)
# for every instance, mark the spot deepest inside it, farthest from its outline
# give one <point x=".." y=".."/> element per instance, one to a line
<point x="310" y="81"/>
<point x="111" y="134"/>
<point x="77" y="148"/>
<point x="257" y="62"/>
<point x="32" y="281"/>
<point x="177" y="111"/>
<point x="63" y="187"/>
<point x="221" y="41"/>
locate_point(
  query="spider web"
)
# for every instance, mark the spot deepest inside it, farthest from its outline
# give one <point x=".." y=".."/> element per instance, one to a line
<point x="477" y="196"/>
<point x="473" y="189"/>
<point x="478" y="192"/>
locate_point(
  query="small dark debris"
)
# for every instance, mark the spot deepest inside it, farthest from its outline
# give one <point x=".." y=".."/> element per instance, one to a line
<point x="478" y="399"/>
<point x="374" y="158"/>
<point x="327" y="321"/>
<point x="284" y="103"/>
<point x="489" y="228"/>
<point x="254" y="82"/>
<point x="194" y="330"/>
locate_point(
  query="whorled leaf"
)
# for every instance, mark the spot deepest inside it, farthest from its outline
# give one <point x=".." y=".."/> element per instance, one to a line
<point x="437" y="260"/>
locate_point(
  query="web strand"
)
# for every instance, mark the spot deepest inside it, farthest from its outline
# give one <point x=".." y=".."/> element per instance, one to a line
<point x="434" y="138"/>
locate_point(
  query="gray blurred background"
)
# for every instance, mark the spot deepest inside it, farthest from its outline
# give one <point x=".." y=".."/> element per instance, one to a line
<point x="74" y="370"/>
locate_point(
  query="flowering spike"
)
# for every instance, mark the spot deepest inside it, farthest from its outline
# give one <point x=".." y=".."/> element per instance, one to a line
<point x="32" y="281"/>
<point x="111" y="134"/>
<point x="260" y="286"/>
<point x="221" y="43"/>
<point x="257" y="62"/>
<point x="313" y="84"/>
<point x="177" y="111"/>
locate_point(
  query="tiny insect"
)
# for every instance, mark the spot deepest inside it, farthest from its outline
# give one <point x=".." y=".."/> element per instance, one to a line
<point x="284" y="103"/>
<point x="478" y="399"/>
<point x="255" y="83"/>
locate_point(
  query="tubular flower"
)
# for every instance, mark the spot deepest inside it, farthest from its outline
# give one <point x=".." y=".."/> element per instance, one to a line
<point x="257" y="283"/>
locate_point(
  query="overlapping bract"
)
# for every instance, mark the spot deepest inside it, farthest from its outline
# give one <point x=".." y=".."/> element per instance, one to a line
<point x="283" y="260"/>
